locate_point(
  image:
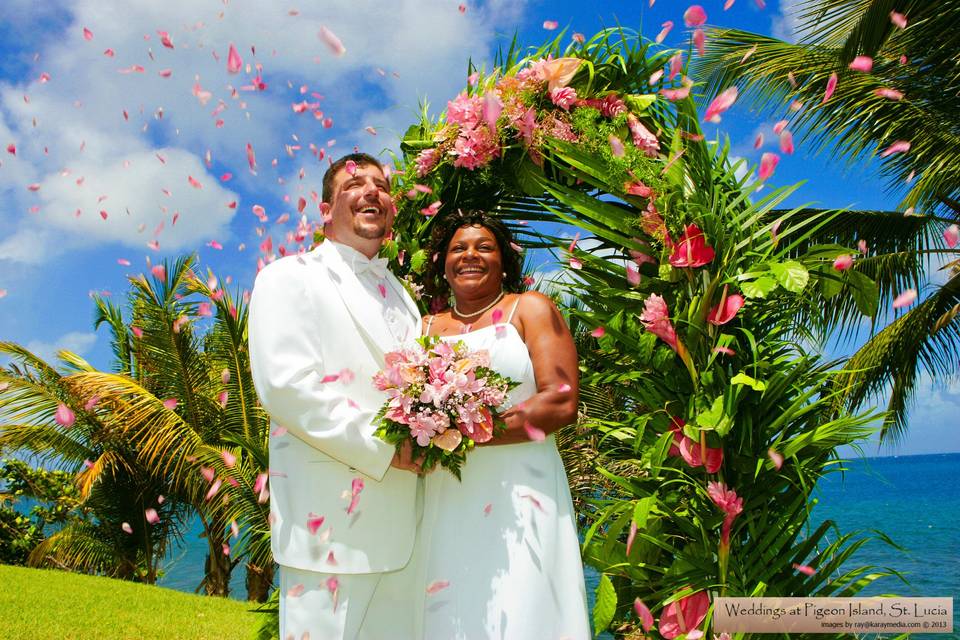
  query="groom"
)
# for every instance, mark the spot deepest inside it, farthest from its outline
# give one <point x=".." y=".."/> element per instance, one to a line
<point x="343" y="502"/>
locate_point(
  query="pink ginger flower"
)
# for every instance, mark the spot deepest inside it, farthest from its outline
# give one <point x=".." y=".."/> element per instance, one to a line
<point x="684" y="615"/>
<point x="426" y="161"/>
<point x="692" y="250"/>
<point x="643" y="139"/>
<point x="729" y="503"/>
<point x="652" y="224"/>
<point x="637" y="188"/>
<point x="560" y="130"/>
<point x="564" y="97"/>
<point x="612" y="106"/>
<point x="656" y="320"/>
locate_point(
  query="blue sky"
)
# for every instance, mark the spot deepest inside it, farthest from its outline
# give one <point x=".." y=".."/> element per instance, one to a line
<point x="117" y="125"/>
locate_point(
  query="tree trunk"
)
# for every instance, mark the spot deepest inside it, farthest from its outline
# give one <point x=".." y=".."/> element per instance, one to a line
<point x="259" y="581"/>
<point x="217" y="567"/>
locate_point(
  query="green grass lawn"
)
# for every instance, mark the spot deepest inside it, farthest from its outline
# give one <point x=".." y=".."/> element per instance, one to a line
<point x="36" y="604"/>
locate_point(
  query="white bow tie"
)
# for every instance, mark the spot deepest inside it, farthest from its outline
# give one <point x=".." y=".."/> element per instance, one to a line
<point x="376" y="266"/>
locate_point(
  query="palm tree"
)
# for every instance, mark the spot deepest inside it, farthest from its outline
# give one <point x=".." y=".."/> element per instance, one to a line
<point x="910" y="95"/>
<point x="186" y="401"/>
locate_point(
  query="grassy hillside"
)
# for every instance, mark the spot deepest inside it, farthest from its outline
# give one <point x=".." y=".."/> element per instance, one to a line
<point x="37" y="604"/>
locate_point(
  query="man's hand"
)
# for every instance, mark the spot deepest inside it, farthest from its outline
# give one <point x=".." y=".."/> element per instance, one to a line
<point x="403" y="459"/>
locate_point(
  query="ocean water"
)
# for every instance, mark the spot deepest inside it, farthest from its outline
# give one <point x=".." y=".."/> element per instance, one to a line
<point x="915" y="500"/>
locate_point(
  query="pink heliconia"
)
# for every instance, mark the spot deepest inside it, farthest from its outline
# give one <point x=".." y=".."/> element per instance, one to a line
<point x="643" y="613"/>
<point x="862" y="63"/>
<point x="720" y="104"/>
<point x="656" y="319"/>
<point x="692" y="249"/>
<point x="905" y="299"/>
<point x="684" y="615"/>
<point x="234" y="61"/>
<point x="64" y="416"/>
<point x="725" y="310"/>
<point x="831" y="87"/>
<point x="768" y="164"/>
<point x="951" y="235"/>
<point x="694" y="16"/>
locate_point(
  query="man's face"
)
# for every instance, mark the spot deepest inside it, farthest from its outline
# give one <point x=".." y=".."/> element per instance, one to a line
<point x="361" y="210"/>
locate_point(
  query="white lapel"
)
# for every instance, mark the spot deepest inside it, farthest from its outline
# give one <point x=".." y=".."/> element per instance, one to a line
<point x="365" y="309"/>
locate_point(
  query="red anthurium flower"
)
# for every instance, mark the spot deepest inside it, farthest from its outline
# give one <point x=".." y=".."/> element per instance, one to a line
<point x="692" y="250"/>
<point x="726" y="310"/>
<point x="684" y="615"/>
<point x="691" y="451"/>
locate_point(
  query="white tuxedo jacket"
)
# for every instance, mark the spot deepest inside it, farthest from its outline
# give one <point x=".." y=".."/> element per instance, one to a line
<point x="310" y="317"/>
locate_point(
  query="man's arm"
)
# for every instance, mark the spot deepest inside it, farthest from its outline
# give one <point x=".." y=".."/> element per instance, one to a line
<point x="287" y="370"/>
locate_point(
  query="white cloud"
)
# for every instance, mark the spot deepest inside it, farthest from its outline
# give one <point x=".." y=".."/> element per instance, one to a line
<point x="75" y="341"/>
<point x="786" y="24"/>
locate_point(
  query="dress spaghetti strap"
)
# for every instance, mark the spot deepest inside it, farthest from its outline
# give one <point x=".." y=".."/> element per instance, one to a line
<point x="514" y="310"/>
<point x="426" y="331"/>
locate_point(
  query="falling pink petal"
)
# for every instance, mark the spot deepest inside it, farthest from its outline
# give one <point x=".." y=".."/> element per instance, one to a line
<point x="64" y="416"/>
<point x="666" y="27"/>
<point x="533" y="500"/>
<point x="492" y="107"/>
<point x="165" y="73"/>
<point x="260" y="482"/>
<point x="251" y="158"/>
<point x="214" y="488"/>
<point x="699" y="40"/>
<point x="720" y="104"/>
<point x="900" y="146"/>
<point x="295" y="591"/>
<point x="208" y="473"/>
<point x="802" y="568"/>
<point x="575" y="264"/>
<point x="234" y="61"/>
<point x="694" y="16"/>
<point x="951" y="235"/>
<point x="151" y="515"/>
<point x="383" y="290"/>
<point x="137" y="331"/>
<point x="126" y="527"/>
<point x="87" y="34"/>
<point x="170" y="403"/>
<point x="768" y="163"/>
<point x="194" y="182"/>
<point x="844" y="262"/>
<point x="889" y="94"/>
<point x="462" y="8"/>
<point x="905" y="299"/>
<point x="898" y="19"/>
<point x="616" y="146"/>
<point x="314" y="522"/>
<point x="758" y="141"/>
<point x="633" y="275"/>
<point x="862" y="63"/>
<point x="487" y="508"/>
<point x="655" y="77"/>
<point x="437" y="586"/>
<point x="786" y="142"/>
<point x="33" y="187"/>
<point x="728" y="4"/>
<point x="229" y="459"/>
<point x="831" y="87"/>
<point x="332" y="41"/>
<point x="752" y="50"/>
<point x="631" y="536"/>
<point x="12" y="149"/>
<point x="564" y="388"/>
<point x="727" y="351"/>
<point x="775" y="457"/>
<point x="676" y="65"/>
<point x="355" y="488"/>
<point x="780" y="126"/>
<point x="496" y="316"/>
<point x="862" y="246"/>
<point x="91" y="403"/>
<point x="646" y="618"/>
<point x="550" y="25"/>
<point x="599" y="332"/>
<point x="165" y="39"/>
<point x="534" y="433"/>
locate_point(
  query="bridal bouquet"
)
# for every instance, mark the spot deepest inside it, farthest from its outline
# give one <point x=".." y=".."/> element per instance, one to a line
<point x="442" y="397"/>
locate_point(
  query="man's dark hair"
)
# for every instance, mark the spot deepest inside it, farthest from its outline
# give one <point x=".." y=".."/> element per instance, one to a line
<point x="443" y="231"/>
<point x="360" y="158"/>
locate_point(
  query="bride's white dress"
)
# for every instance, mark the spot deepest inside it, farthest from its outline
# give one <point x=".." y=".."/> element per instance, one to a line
<point x="504" y="537"/>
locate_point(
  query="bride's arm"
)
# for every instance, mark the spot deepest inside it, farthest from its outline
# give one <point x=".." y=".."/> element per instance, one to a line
<point x="555" y="367"/>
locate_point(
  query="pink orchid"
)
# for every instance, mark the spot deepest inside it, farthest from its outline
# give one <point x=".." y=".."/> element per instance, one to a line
<point x="643" y="139"/>
<point x="692" y="250"/>
<point x="656" y="319"/>
<point x="725" y="310"/>
<point x="720" y="104"/>
<point x="684" y="615"/>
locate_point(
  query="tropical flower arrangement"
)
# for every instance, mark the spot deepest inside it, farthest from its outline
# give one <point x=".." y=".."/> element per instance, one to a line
<point x="442" y="398"/>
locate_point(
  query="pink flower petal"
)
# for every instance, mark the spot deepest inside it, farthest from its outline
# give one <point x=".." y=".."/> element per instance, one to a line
<point x="229" y="459"/>
<point x="194" y="182"/>
<point x="332" y="41"/>
<point x="862" y="63"/>
<point x="898" y="19"/>
<point x="951" y="235"/>
<point x="666" y="27"/>
<point x="251" y="158"/>
<point x="550" y="25"/>
<point x="779" y="126"/>
<point x="900" y="146"/>
<point x="758" y="141"/>
<point x="234" y="61"/>
<point x="727" y="351"/>
<point x="151" y="516"/>
<point x="905" y="299"/>
<point x="616" y="146"/>
<point x="802" y="568"/>
<point x="699" y="41"/>
<point x="631" y="536"/>
<point x="437" y="586"/>
<point x="633" y="275"/>
<point x="786" y="142"/>
<point x="64" y="416"/>
<point x="214" y="488"/>
<point x="831" y="87"/>
<point x="768" y="163"/>
<point x="694" y="16"/>
<point x="844" y="262"/>
<point x="87" y="34"/>
<point x="599" y="332"/>
<point x="720" y="104"/>
<point x="533" y="433"/>
<point x="643" y="613"/>
<point x="575" y="264"/>
<point x="776" y="458"/>
<point x="126" y="527"/>
<point x="564" y="388"/>
<point x="314" y="522"/>
<point x="889" y="94"/>
<point x="91" y="403"/>
<point x="295" y="591"/>
<point x="170" y="403"/>
<point x="487" y="508"/>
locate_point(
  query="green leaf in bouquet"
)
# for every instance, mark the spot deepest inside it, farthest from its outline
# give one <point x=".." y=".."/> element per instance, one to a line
<point x="758" y="288"/>
<point x="605" y="606"/>
<point x="744" y="379"/>
<point x="418" y="261"/>
<point x="390" y="250"/>
<point x="639" y="102"/>
<point x="791" y="275"/>
<point x="715" y="418"/>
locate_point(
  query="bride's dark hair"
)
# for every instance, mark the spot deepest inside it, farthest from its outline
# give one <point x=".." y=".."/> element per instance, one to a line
<point x="436" y="286"/>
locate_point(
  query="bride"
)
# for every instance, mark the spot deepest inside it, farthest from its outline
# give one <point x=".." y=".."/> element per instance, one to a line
<point x="498" y="551"/>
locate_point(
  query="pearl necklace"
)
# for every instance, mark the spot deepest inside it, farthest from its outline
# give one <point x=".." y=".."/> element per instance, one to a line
<point x="467" y="316"/>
